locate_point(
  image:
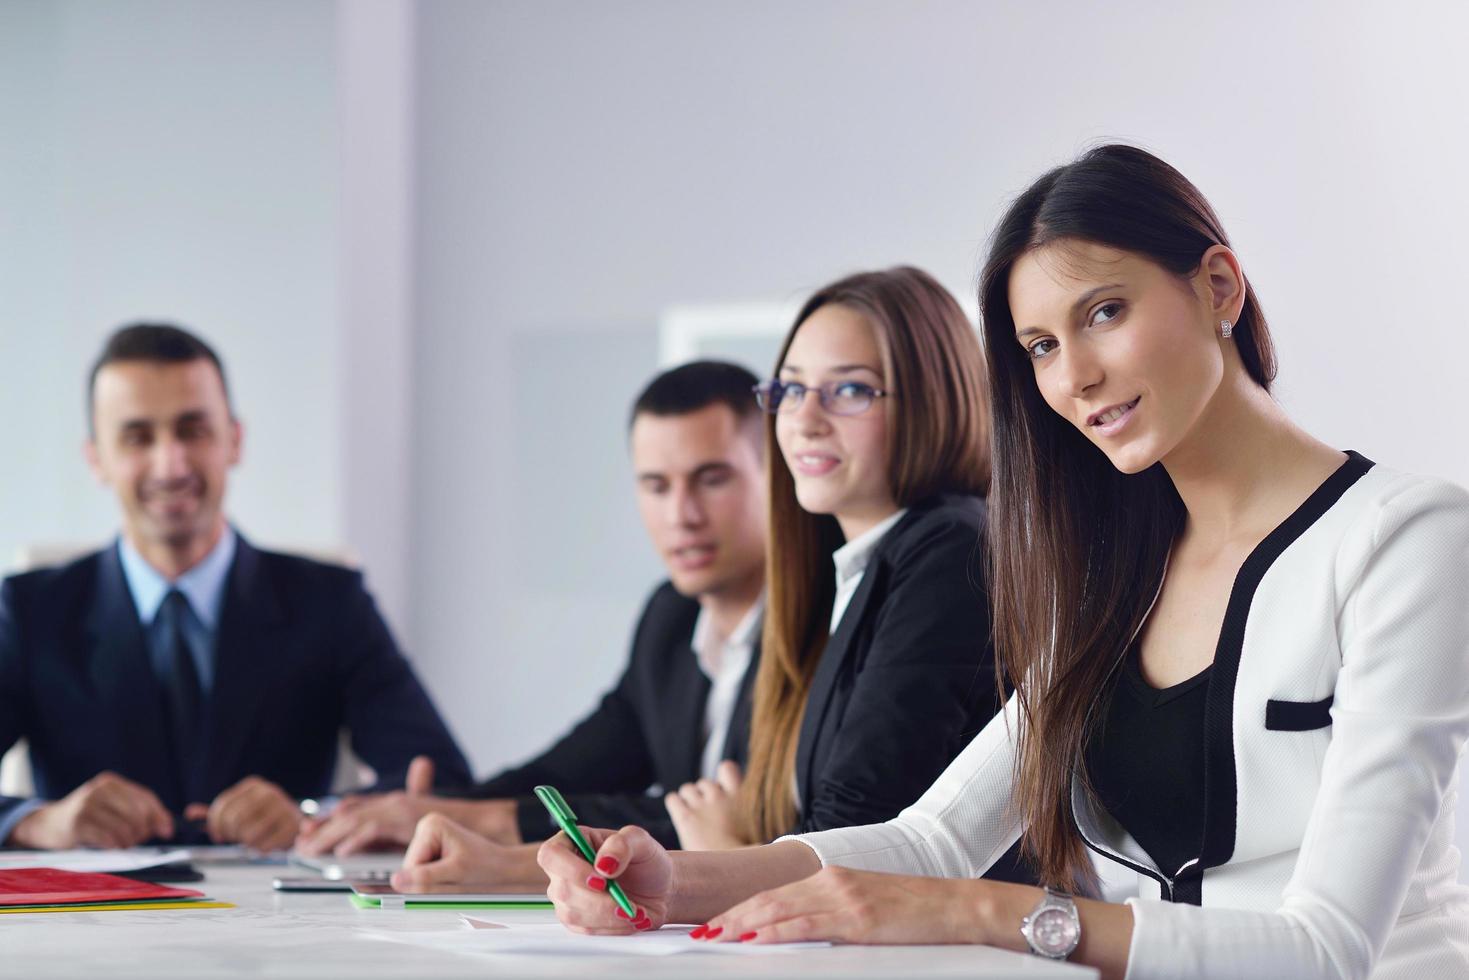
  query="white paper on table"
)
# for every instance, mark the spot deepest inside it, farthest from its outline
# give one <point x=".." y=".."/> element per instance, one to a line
<point x="489" y="937"/>
<point x="94" y="861"/>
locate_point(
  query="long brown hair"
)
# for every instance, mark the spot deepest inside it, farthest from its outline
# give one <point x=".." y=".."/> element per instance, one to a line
<point x="1078" y="549"/>
<point x="938" y="443"/>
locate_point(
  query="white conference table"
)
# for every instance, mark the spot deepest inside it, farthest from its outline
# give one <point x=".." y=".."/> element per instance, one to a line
<point x="319" y="935"/>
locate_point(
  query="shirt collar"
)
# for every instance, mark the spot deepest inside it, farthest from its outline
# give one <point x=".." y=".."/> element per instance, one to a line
<point x="203" y="585"/>
<point x="744" y="636"/>
<point x="851" y="558"/>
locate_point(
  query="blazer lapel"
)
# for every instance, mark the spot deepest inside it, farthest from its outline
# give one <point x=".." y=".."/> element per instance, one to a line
<point x="823" y="684"/>
<point x="249" y="624"/>
<point x="125" y="686"/>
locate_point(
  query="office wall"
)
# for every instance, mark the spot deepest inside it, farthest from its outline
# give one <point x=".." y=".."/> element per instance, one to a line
<point x="242" y="168"/>
<point x="175" y="159"/>
<point x="581" y="166"/>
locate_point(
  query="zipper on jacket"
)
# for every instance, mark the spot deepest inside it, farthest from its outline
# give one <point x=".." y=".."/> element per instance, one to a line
<point x="1168" y="883"/>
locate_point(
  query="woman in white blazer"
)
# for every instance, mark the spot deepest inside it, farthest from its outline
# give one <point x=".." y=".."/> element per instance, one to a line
<point x="1242" y="656"/>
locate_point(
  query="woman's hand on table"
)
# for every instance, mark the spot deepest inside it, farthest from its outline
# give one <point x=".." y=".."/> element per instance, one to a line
<point x="847" y="906"/>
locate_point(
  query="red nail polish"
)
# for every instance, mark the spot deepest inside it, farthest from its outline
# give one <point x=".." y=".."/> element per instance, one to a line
<point x="622" y="914"/>
<point x="642" y="916"/>
<point x="607" y="865"/>
<point x="747" y="937"/>
<point x="643" y="925"/>
<point x="699" y="932"/>
<point x="597" y="883"/>
<point x="714" y="933"/>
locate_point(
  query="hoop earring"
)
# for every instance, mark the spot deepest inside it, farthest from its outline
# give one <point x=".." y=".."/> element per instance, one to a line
<point x="1226" y="329"/>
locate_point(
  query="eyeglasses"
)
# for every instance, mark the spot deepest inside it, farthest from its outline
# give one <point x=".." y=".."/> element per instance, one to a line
<point x="837" y="397"/>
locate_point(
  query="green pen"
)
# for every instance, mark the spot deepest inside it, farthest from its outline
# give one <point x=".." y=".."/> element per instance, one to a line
<point x="555" y="805"/>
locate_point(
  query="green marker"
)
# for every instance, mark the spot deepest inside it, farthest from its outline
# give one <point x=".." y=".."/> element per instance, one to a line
<point x="555" y="805"/>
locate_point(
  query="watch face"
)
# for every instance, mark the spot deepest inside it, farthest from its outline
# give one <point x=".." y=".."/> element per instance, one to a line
<point x="1054" y="931"/>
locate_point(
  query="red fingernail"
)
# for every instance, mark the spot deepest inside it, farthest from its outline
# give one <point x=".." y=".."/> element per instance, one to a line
<point x="747" y="937"/>
<point x="623" y="914"/>
<point x="699" y="932"/>
<point x="642" y="916"/>
<point x="714" y="933"/>
<point x="597" y="883"/>
<point x="607" y="865"/>
<point x="643" y="925"/>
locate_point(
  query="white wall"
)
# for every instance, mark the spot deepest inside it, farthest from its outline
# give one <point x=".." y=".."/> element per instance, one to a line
<point x="171" y="159"/>
<point x="242" y="168"/>
<point x="583" y="166"/>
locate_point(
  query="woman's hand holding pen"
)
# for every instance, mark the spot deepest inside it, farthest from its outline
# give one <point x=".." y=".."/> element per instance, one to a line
<point x="632" y="857"/>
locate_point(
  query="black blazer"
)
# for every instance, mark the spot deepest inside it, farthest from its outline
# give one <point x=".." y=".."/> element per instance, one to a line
<point x="907" y="679"/>
<point x="301" y="652"/>
<point x="646" y="734"/>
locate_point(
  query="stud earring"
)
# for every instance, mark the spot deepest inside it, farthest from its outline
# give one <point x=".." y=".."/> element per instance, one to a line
<point x="1226" y="329"/>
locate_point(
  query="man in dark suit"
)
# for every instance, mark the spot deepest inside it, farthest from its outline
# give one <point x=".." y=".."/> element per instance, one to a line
<point x="183" y="676"/>
<point x="681" y="706"/>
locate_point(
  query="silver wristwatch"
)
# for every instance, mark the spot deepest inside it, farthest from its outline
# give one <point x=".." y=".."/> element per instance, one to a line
<point x="1053" y="929"/>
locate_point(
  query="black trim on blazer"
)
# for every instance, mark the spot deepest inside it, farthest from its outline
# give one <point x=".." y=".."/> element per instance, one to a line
<point x="1189" y="890"/>
<point x="839" y="645"/>
<point x="1298" y="716"/>
<point x="818" y="697"/>
<point x="1221" y="802"/>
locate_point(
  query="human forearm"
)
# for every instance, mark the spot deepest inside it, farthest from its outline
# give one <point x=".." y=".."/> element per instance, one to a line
<point x="12" y="816"/>
<point x="516" y="869"/>
<point x="995" y="910"/>
<point x="494" y="819"/>
<point x="706" y="883"/>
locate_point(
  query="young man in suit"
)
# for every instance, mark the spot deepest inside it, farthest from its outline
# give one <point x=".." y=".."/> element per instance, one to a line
<point x="682" y="705"/>
<point x="182" y="683"/>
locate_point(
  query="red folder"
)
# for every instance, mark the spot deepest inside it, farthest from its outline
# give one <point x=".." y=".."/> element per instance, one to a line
<point x="50" y="886"/>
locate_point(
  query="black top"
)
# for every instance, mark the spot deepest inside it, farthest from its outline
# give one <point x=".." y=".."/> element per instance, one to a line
<point x="301" y="652"/>
<point x="1146" y="763"/>
<point x="907" y="679"/>
<point x="647" y="732"/>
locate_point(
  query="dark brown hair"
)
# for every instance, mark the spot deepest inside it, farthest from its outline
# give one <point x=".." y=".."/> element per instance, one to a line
<point x="696" y="385"/>
<point x="938" y="438"/>
<point x="159" y="343"/>
<point x="1078" y="548"/>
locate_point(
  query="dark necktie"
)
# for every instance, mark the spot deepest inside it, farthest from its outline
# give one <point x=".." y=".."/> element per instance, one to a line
<point x="183" y="694"/>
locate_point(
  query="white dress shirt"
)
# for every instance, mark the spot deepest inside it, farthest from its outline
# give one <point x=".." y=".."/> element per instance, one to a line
<point x="724" y="661"/>
<point x="851" y="561"/>
<point x="203" y="588"/>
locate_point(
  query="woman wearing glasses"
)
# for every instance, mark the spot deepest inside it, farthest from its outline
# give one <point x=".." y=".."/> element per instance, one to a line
<point x="876" y="666"/>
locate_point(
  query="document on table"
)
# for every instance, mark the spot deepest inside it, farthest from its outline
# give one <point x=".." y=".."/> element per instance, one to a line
<point x="94" y="862"/>
<point x="490" y="937"/>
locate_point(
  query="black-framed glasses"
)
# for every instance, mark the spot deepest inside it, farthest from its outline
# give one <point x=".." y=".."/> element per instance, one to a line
<point x="837" y="397"/>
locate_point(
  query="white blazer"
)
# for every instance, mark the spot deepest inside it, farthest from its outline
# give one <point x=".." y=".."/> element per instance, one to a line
<point x="1337" y="710"/>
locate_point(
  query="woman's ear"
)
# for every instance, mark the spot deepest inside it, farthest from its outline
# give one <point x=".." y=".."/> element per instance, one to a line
<point x="1223" y="282"/>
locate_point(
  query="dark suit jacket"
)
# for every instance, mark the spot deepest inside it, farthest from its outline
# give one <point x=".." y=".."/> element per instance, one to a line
<point x="907" y="679"/>
<point x="647" y="732"/>
<point x="301" y="652"/>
